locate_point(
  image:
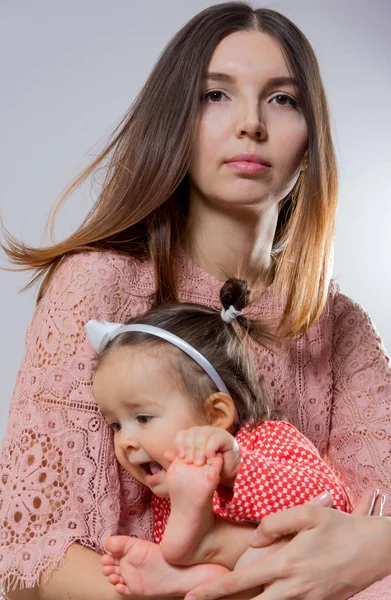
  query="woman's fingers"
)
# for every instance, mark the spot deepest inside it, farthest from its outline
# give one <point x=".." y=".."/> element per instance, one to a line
<point x="382" y="503"/>
<point x="287" y="522"/>
<point x="325" y="499"/>
<point x="368" y="503"/>
<point x="283" y="589"/>
<point x="248" y="577"/>
<point x="371" y="504"/>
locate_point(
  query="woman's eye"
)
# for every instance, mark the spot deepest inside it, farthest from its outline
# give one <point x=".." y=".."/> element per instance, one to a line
<point x="284" y="100"/>
<point x="143" y="419"/>
<point x="214" y="96"/>
<point x="115" y="426"/>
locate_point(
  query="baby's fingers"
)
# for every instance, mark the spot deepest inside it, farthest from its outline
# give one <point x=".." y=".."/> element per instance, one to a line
<point x="214" y="444"/>
<point x="201" y="435"/>
<point x="190" y="444"/>
<point x="214" y="467"/>
<point x="170" y="455"/>
<point x="180" y="443"/>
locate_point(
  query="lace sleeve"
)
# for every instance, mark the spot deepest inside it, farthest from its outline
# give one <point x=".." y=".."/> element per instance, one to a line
<point x="59" y="480"/>
<point x="360" y="433"/>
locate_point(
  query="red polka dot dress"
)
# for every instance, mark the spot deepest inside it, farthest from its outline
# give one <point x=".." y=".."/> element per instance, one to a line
<point x="280" y="468"/>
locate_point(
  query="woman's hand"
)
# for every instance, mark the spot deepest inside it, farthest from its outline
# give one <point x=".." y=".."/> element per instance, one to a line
<point x="332" y="556"/>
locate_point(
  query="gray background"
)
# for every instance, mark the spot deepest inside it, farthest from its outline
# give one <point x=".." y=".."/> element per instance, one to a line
<point x="69" y="70"/>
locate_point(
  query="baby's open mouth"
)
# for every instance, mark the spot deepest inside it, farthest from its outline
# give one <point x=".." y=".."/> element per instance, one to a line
<point x="151" y="468"/>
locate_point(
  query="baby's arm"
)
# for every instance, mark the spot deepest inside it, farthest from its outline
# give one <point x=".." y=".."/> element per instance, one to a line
<point x="277" y="467"/>
<point x="280" y="468"/>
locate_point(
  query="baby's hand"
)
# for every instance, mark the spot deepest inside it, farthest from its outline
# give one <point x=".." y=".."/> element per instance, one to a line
<point x="200" y="445"/>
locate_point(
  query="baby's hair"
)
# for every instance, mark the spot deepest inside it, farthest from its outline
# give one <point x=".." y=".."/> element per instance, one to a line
<point x="224" y="345"/>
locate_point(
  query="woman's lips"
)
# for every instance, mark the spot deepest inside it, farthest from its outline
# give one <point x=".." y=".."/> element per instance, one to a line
<point x="248" y="163"/>
<point x="244" y="166"/>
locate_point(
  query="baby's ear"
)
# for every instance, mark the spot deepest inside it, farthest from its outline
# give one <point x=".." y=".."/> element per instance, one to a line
<point x="220" y="410"/>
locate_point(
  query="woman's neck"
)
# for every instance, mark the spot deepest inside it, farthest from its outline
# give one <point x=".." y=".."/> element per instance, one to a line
<point x="232" y="243"/>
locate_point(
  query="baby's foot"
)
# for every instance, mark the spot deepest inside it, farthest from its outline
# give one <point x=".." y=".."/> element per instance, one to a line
<point x="137" y="567"/>
<point x="191" y="490"/>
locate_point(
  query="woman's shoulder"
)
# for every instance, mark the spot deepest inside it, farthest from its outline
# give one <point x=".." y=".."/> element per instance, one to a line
<point x="102" y="285"/>
<point x="339" y="307"/>
<point x="105" y="266"/>
<point x="338" y="299"/>
<point x="349" y="324"/>
<point x="101" y="270"/>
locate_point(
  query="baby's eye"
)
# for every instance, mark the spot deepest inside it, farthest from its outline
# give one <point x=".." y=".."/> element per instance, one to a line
<point x="214" y="96"/>
<point x="115" y="426"/>
<point x="143" y="419"/>
<point x="284" y="100"/>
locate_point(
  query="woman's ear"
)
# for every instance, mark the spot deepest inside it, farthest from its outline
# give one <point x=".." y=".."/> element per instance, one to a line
<point x="220" y="410"/>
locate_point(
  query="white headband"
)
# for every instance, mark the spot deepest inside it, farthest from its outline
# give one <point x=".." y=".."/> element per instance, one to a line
<point x="230" y="314"/>
<point x="100" y="333"/>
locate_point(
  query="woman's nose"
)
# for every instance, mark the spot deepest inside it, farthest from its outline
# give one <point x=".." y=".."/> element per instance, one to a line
<point x="250" y="122"/>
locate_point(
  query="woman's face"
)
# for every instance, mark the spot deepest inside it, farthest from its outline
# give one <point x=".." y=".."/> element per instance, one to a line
<point x="250" y="108"/>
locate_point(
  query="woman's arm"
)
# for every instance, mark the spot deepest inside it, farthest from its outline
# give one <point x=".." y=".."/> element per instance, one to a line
<point x="333" y="556"/>
<point x="360" y="431"/>
<point x="336" y="554"/>
<point x="59" y="480"/>
<point x="79" y="577"/>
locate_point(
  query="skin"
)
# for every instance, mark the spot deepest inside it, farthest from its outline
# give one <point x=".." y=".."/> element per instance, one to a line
<point x="232" y="225"/>
<point x="80" y="577"/>
<point x="233" y="215"/>
<point x="154" y="421"/>
<point x="139" y="397"/>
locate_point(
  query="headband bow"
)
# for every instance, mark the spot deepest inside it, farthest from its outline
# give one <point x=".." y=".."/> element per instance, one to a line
<point x="100" y="333"/>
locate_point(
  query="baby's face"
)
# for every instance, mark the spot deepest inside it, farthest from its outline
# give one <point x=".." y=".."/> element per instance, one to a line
<point x="142" y="401"/>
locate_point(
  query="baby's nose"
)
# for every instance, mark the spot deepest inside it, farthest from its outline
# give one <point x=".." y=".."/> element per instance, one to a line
<point x="127" y="441"/>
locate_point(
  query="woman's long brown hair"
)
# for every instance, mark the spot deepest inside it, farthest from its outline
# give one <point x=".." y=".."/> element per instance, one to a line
<point x="143" y="204"/>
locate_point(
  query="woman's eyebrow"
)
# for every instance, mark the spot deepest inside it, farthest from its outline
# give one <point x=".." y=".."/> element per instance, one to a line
<point x="213" y="76"/>
<point x="276" y="81"/>
<point x="273" y="82"/>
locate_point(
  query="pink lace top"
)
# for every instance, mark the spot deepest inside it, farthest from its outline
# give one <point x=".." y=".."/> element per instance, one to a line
<point x="60" y="482"/>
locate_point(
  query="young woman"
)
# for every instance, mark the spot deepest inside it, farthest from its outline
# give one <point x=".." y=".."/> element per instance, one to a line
<point x="223" y="167"/>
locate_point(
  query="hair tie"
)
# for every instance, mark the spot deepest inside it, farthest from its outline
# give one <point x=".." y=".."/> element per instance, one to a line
<point x="231" y="314"/>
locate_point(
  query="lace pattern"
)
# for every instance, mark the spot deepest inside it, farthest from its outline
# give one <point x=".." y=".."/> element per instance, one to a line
<point x="59" y="480"/>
